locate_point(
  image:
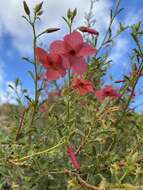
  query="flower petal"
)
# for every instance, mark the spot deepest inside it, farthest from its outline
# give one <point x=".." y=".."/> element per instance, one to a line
<point x="41" y="55"/>
<point x="53" y="75"/>
<point x="79" y="66"/>
<point x="58" y="47"/>
<point x="82" y="91"/>
<point x="65" y="62"/>
<point x="99" y="95"/>
<point x="86" y="50"/>
<point x="74" y="39"/>
<point x="89" y="88"/>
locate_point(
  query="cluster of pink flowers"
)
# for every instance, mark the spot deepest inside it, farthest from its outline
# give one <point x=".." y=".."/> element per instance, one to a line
<point x="85" y="86"/>
<point x="70" y="53"/>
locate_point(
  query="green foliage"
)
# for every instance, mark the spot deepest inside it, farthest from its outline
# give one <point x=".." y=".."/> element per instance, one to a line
<point x="107" y="136"/>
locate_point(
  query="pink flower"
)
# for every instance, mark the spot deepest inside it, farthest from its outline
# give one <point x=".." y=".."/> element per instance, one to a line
<point x="82" y="86"/>
<point x="73" y="50"/>
<point x="52" y="63"/>
<point x="73" y="157"/>
<point x="88" y="30"/>
<point x="107" y="91"/>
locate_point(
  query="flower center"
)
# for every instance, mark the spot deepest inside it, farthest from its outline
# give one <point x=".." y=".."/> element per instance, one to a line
<point x="81" y="84"/>
<point x="72" y="52"/>
<point x="108" y="92"/>
<point x="52" y="65"/>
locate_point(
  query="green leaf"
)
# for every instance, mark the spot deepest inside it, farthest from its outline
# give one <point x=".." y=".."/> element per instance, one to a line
<point x="27" y="59"/>
<point x="111" y="14"/>
<point x="65" y="20"/>
<point x="10" y="86"/>
<point x="17" y="81"/>
<point x="18" y="101"/>
<point x="28" y="98"/>
<point x="31" y="74"/>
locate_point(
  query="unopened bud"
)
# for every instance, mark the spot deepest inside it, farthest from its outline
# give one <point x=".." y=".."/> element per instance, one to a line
<point x="26" y="8"/>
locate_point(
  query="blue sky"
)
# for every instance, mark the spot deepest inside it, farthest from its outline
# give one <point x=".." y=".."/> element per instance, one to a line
<point x="15" y="35"/>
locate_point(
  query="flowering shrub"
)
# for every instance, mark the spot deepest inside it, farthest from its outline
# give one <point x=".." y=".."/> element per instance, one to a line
<point x="82" y="134"/>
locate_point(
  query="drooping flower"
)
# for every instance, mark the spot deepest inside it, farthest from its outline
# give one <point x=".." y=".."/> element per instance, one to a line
<point x="82" y="86"/>
<point x="74" y="51"/>
<point x="73" y="157"/>
<point x="88" y="30"/>
<point x="52" y="63"/>
<point x="107" y="91"/>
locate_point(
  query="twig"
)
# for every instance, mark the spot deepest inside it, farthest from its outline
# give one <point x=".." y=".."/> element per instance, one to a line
<point x="20" y="125"/>
<point x="83" y="183"/>
<point x="83" y="142"/>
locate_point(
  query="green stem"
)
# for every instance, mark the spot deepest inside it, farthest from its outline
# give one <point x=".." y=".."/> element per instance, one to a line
<point x="36" y="78"/>
<point x="43" y="152"/>
<point x="69" y="84"/>
<point x="68" y="106"/>
<point x="35" y="64"/>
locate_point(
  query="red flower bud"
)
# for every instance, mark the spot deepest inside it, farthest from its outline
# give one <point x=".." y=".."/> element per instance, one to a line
<point x="73" y="157"/>
<point x="119" y="81"/>
<point x="50" y="30"/>
<point x="88" y="30"/>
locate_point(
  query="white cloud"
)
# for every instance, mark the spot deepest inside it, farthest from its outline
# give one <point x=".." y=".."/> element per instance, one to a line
<point x="6" y="95"/>
<point x="12" y="23"/>
<point x="120" y="49"/>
